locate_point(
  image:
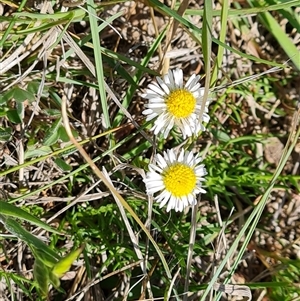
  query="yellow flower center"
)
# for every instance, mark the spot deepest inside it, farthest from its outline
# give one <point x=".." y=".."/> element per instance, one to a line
<point x="179" y="179"/>
<point x="181" y="103"/>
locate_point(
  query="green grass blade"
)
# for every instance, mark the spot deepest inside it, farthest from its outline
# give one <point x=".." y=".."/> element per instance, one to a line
<point x="8" y="209"/>
<point x="206" y="48"/>
<point x="243" y="12"/>
<point x="74" y="15"/>
<point x="285" y="42"/>
<point x="207" y="36"/>
<point x="218" y="62"/>
<point x="98" y="60"/>
<point x="197" y="31"/>
<point x="11" y="24"/>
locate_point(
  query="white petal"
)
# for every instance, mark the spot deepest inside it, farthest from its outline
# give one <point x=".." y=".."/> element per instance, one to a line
<point x="172" y="203"/>
<point x="156" y="105"/>
<point x="155" y="88"/>
<point x="178" y="78"/>
<point x="163" y="85"/>
<point x="190" y="81"/>
<point x="192" y="200"/>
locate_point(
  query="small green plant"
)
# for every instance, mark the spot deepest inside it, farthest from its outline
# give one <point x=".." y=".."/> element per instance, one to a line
<point x="48" y="265"/>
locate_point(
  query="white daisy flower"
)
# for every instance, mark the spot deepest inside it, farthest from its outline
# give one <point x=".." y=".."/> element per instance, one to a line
<point x="177" y="178"/>
<point x="175" y="104"/>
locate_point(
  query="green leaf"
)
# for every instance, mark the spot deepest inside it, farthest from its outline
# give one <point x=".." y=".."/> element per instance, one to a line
<point x="3" y="111"/>
<point x="34" y="152"/>
<point x="13" y="116"/>
<point x="62" y="164"/>
<point x="54" y="280"/>
<point x="21" y="95"/>
<point x="18" y="94"/>
<point x="220" y="135"/>
<point x="20" y="109"/>
<point x="53" y="112"/>
<point x="4" y="98"/>
<point x="5" y="134"/>
<point x="65" y="263"/>
<point x="45" y="254"/>
<point x="33" y="87"/>
<point x="63" y="134"/>
<point x="52" y="134"/>
<point x="39" y="249"/>
<point x="8" y="209"/>
<point x="41" y="275"/>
